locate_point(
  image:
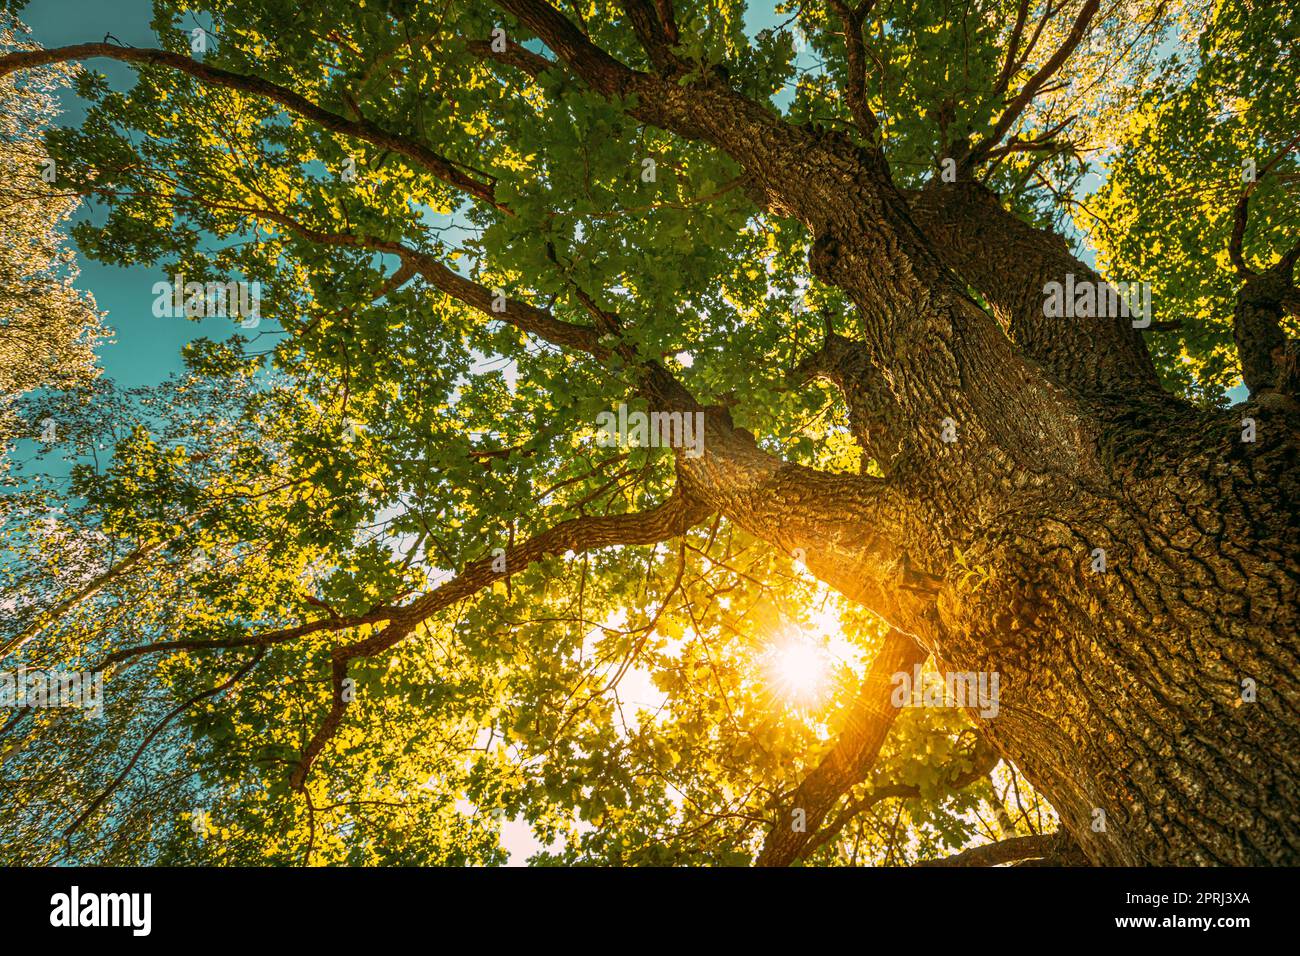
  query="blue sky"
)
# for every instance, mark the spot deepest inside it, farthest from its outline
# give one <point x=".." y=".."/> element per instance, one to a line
<point x="145" y="349"/>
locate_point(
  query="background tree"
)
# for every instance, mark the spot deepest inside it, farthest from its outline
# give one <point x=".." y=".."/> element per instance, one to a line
<point x="48" y="327"/>
<point x="413" y="587"/>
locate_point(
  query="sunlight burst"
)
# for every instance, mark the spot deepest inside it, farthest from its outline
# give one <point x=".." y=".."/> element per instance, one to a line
<point x="799" y="669"/>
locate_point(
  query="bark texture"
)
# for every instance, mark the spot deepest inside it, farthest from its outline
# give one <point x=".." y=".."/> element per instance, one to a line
<point x="1270" y="362"/>
<point x="1155" y="702"/>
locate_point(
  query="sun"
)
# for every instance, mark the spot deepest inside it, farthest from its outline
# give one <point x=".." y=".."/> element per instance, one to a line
<point x="799" y="669"/>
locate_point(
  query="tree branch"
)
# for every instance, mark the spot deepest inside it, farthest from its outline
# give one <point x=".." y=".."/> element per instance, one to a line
<point x="157" y="729"/>
<point x="652" y="34"/>
<point x="328" y="624"/>
<point x="1027" y="93"/>
<point x="587" y="533"/>
<point x="1011" y="263"/>
<point x="440" y="166"/>
<point x="875" y="795"/>
<point x="597" y="68"/>
<point x="527" y="318"/>
<point x="1053" y="847"/>
<point x="875" y="418"/>
<point x="1013" y="46"/>
<point x="91" y="588"/>
<point x="851" y="20"/>
<point x="515" y="54"/>
<point x="850" y="760"/>
<point x="1268" y="358"/>
<point x="1241" y="211"/>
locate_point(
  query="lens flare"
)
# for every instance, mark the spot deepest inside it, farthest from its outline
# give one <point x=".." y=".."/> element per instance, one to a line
<point x="799" y="670"/>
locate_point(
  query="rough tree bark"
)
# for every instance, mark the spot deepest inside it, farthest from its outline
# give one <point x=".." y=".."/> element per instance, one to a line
<point x="1154" y="703"/>
<point x="1125" y="693"/>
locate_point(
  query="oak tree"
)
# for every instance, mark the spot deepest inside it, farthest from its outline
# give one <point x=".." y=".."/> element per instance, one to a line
<point x="376" y="581"/>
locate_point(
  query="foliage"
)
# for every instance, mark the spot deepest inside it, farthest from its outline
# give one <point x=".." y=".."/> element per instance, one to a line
<point x="1188" y="153"/>
<point x="620" y="702"/>
<point x="48" y="326"/>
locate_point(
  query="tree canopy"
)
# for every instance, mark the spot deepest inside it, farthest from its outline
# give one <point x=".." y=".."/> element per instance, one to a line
<point x="366" y="581"/>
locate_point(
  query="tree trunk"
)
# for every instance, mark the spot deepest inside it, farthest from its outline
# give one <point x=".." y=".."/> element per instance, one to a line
<point x="1153" y="703"/>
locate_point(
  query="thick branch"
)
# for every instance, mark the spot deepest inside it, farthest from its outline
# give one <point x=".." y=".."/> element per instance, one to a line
<point x="653" y="36"/>
<point x="328" y="727"/>
<point x="850" y="760"/>
<point x="440" y="166"/>
<point x="850" y="528"/>
<point x="1268" y="358"/>
<point x="597" y="68"/>
<point x="1052" y="847"/>
<point x="1011" y="263"/>
<point x="874" y="416"/>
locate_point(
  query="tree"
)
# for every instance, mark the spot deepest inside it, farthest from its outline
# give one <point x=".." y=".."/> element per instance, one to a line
<point x="494" y="237"/>
<point x="48" y="327"/>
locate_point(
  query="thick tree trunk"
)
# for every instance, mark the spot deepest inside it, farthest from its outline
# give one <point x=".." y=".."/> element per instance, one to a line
<point x="1156" y="703"/>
